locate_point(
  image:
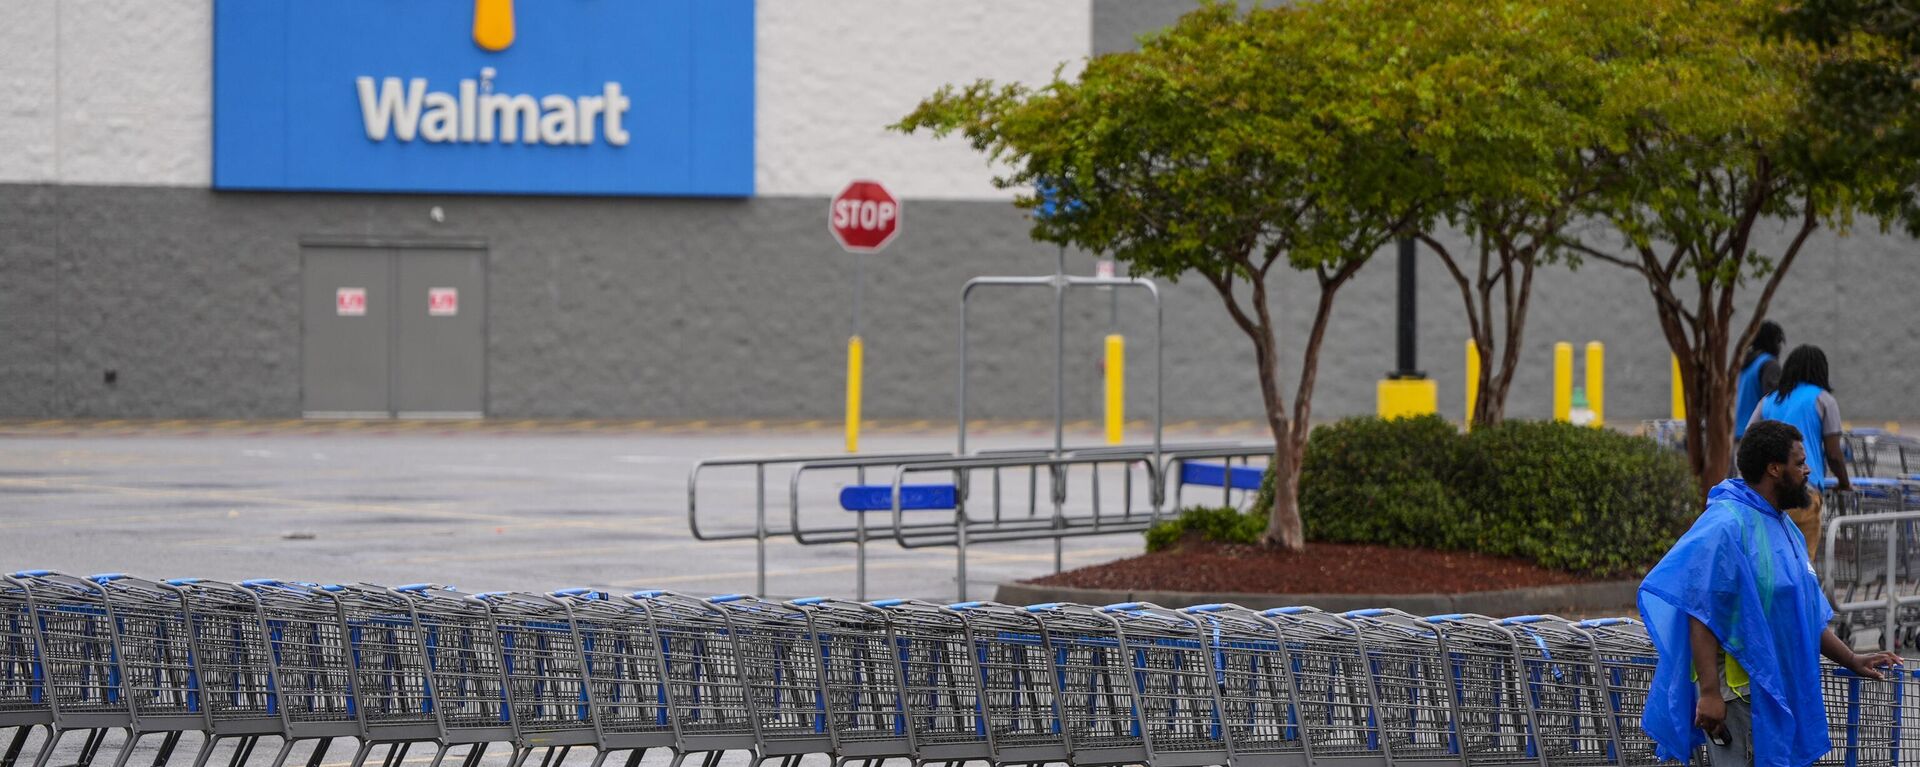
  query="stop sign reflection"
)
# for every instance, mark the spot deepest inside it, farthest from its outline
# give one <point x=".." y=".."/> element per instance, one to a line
<point x="864" y="217"/>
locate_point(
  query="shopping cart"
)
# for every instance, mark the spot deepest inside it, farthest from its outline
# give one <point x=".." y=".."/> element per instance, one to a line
<point x="155" y="656"/>
<point x="1565" y="691"/>
<point x="460" y="644"/>
<point x="626" y="688"/>
<point x="391" y="689"/>
<point x="230" y="665"/>
<point x="1018" y="683"/>
<point x="939" y="682"/>
<point x="23" y="704"/>
<point x="1098" y="712"/>
<point x="1420" y="721"/>
<point x="312" y="669"/>
<point x="779" y="658"/>
<point x="79" y="659"/>
<point x="861" y="673"/>
<point x="706" y="688"/>
<point x="1862" y="717"/>
<point x="1173" y="685"/>
<point x="1626" y="659"/>
<point x="1334" y="694"/>
<point x="1251" y="667"/>
<point x="544" y="670"/>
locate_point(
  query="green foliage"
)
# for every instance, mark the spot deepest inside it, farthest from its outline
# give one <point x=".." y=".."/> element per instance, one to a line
<point x="1589" y="501"/>
<point x="1220" y="524"/>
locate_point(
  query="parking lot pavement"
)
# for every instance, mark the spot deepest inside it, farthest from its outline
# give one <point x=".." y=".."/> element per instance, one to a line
<point x="486" y="509"/>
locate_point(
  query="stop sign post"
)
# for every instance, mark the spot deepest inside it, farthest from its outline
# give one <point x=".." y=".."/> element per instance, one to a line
<point x="864" y="217"/>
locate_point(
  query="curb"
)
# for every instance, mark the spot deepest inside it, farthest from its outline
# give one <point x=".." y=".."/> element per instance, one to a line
<point x="1576" y="598"/>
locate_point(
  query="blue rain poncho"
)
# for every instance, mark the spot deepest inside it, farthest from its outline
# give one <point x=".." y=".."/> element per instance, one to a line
<point x="1743" y="571"/>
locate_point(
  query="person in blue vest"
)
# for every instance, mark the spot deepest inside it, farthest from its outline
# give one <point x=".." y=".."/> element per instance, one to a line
<point x="1805" y="401"/>
<point x="1738" y="617"/>
<point x="1759" y="375"/>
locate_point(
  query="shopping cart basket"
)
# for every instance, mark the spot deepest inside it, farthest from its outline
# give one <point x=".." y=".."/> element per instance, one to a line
<point x="939" y="682"/>
<point x="461" y="647"/>
<point x="779" y="658"/>
<point x="23" y="706"/>
<point x="706" y="688"/>
<point x="1098" y="707"/>
<point x="1251" y="668"/>
<point x="1566" y="693"/>
<point x="311" y="666"/>
<point x="626" y="688"/>
<point x="231" y="668"/>
<point x="1017" y="683"/>
<point x="1862" y="717"/>
<point x="155" y="657"/>
<point x="1334" y="695"/>
<point x="1174" y="686"/>
<point x="78" y="659"/>
<point x="541" y="661"/>
<point x="861" y="673"/>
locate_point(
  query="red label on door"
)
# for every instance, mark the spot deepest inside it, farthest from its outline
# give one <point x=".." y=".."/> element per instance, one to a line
<point x="443" y="302"/>
<point x="350" y="302"/>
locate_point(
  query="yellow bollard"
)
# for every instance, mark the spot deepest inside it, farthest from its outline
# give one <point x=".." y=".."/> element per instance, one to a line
<point x="1473" y="378"/>
<point x="1597" y="381"/>
<point x="856" y="352"/>
<point x="493" y="24"/>
<point x="1563" y="382"/>
<point x="1116" y="388"/>
<point x="1679" y="391"/>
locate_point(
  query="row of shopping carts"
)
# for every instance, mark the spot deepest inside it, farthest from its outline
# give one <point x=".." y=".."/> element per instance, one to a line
<point x="855" y="682"/>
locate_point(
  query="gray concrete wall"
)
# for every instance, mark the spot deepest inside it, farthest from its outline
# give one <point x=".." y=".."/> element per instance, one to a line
<point x="740" y="309"/>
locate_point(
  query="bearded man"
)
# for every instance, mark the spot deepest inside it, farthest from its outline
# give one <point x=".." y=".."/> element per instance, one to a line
<point x="1737" y="614"/>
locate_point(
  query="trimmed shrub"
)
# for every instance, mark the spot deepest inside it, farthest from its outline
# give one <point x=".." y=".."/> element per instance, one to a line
<point x="1590" y="501"/>
<point x="1221" y="524"/>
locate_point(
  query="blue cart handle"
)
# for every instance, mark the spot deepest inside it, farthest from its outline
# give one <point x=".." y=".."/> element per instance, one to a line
<point x="809" y="601"/>
<point x="581" y="592"/>
<point x="184" y="581"/>
<point x="106" y="578"/>
<point x="1602" y="622"/>
<point x="1211" y="608"/>
<point x="1521" y="620"/>
<point x="1296" y="610"/>
<point x="1043" y="607"/>
<point x="648" y="594"/>
<point x="1447" y="618"/>
<point x="965" y="605"/>
<point x="1123" y="607"/>
<point x="725" y="598"/>
<point x="33" y="573"/>
<point x="416" y="587"/>
<point x="888" y="602"/>
<point x="1371" y="612"/>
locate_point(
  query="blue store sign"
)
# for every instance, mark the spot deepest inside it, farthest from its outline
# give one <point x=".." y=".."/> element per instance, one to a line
<point x="623" y="97"/>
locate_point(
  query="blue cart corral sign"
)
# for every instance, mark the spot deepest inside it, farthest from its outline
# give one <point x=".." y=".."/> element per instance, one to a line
<point x="618" y="97"/>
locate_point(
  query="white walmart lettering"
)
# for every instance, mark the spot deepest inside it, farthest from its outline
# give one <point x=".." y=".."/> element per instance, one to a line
<point x="407" y="110"/>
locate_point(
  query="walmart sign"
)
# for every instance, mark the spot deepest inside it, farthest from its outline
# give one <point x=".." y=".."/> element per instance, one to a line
<point x="624" y="97"/>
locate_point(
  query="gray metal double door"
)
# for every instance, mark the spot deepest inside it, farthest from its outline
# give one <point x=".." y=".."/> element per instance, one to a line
<point x="393" y="332"/>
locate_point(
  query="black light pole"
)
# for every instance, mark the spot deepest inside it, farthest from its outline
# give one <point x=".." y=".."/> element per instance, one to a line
<point x="1407" y="368"/>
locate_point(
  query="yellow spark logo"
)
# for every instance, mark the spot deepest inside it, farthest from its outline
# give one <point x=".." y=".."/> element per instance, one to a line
<point x="493" y="24"/>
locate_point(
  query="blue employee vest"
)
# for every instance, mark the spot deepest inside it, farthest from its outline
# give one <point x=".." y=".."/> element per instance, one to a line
<point x="1801" y="409"/>
<point x="1748" y="396"/>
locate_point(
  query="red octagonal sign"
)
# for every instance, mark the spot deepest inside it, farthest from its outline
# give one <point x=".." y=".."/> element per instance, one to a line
<point x="864" y="217"/>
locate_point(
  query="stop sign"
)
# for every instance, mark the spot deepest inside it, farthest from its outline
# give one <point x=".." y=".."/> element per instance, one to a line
<point x="864" y="217"/>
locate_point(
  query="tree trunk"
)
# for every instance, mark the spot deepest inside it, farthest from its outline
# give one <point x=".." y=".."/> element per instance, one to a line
<point x="1283" y="520"/>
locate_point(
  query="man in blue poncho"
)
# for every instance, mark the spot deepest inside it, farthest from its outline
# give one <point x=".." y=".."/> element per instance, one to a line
<point x="1736" y="612"/>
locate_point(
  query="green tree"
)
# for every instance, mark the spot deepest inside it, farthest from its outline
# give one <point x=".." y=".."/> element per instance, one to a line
<point x="1723" y="144"/>
<point x="1866" y="87"/>
<point x="1506" y="104"/>
<point x="1237" y="145"/>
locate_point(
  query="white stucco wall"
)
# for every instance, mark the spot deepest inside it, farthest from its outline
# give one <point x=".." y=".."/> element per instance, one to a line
<point x="834" y="73"/>
<point x="120" y="91"/>
<point x="106" y="91"/>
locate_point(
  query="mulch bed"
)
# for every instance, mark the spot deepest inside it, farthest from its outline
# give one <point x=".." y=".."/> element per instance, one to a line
<point x="1324" y="568"/>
